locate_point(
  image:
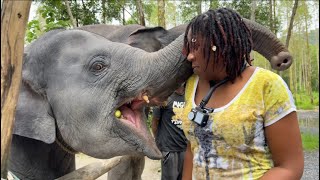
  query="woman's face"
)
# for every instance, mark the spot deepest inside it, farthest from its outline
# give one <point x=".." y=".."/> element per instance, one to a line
<point x="196" y="57"/>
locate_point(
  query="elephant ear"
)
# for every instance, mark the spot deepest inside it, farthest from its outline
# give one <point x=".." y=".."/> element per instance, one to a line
<point x="149" y="39"/>
<point x="32" y="118"/>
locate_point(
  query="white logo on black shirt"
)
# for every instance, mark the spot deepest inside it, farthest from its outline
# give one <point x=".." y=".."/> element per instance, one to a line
<point x="177" y="104"/>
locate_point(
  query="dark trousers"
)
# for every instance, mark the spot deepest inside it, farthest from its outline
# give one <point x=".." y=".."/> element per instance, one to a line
<point x="172" y="165"/>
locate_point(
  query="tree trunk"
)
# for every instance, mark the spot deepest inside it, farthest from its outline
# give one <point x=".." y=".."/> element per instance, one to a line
<point x="270" y="16"/>
<point x="253" y="10"/>
<point x="317" y="55"/>
<point x="308" y="65"/>
<point x="294" y="10"/>
<point x="161" y="11"/>
<point x="300" y="70"/>
<point x="140" y="12"/>
<point x="253" y="18"/>
<point x="295" y="72"/>
<point x="199" y="8"/>
<point x="104" y="13"/>
<point x="274" y="16"/>
<point x="123" y="16"/>
<point x="73" y="21"/>
<point x="14" y="17"/>
<point x="75" y="4"/>
<point x="318" y="63"/>
<point x="174" y="18"/>
<point x="85" y="10"/>
<point x="304" y="74"/>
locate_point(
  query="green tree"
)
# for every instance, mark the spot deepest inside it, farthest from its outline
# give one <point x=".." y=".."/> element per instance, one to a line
<point x="140" y="12"/>
<point x="161" y="13"/>
<point x="151" y="13"/>
<point x="50" y="15"/>
<point x="262" y="12"/>
<point x="188" y="10"/>
<point x="213" y="4"/>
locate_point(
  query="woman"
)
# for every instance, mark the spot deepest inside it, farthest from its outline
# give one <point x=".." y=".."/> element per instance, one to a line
<point x="253" y="131"/>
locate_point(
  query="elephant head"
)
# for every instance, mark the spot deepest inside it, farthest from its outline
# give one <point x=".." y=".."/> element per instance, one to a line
<point x="75" y="80"/>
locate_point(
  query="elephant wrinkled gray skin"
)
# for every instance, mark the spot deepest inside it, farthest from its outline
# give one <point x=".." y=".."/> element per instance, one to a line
<point x="73" y="81"/>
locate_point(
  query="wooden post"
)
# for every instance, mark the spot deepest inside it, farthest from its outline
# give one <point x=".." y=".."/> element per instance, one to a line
<point x="14" y="17"/>
<point x="93" y="170"/>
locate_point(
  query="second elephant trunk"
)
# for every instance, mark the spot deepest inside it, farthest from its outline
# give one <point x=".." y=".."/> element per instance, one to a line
<point x="268" y="45"/>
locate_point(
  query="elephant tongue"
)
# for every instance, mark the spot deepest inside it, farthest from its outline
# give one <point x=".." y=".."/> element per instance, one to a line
<point x="132" y="115"/>
<point x="128" y="114"/>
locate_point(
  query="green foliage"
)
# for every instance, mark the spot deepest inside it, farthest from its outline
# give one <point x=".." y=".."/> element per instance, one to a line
<point x="214" y="4"/>
<point x="33" y="30"/>
<point x="149" y="120"/>
<point x="260" y="61"/>
<point x="85" y="12"/>
<point x="302" y="100"/>
<point x="314" y="36"/>
<point x="310" y="141"/>
<point x="314" y="51"/>
<point x="171" y="15"/>
<point x="151" y="12"/>
<point x="188" y="10"/>
<point x="262" y="12"/>
<point x="113" y="10"/>
<point x="51" y="14"/>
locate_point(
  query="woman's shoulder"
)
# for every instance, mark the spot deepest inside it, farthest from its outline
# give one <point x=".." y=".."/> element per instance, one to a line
<point x="192" y="81"/>
<point x="265" y="75"/>
<point x="191" y="86"/>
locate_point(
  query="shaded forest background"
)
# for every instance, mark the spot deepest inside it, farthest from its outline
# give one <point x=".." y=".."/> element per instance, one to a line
<point x="295" y="22"/>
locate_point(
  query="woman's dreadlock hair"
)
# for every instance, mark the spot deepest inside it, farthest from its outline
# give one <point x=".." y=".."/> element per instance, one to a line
<point x="225" y="29"/>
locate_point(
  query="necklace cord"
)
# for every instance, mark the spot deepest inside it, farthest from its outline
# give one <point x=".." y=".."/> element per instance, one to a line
<point x="214" y="87"/>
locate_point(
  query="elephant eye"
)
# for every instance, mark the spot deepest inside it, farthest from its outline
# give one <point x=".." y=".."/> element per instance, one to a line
<point x="98" y="66"/>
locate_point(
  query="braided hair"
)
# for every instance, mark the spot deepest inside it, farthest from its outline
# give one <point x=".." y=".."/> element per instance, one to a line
<point x="225" y="29"/>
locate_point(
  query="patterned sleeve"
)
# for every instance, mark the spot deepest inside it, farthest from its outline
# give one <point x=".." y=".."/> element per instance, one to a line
<point x="278" y="100"/>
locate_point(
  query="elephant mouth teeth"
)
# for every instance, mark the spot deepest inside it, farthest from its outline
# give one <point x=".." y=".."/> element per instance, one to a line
<point x="131" y="112"/>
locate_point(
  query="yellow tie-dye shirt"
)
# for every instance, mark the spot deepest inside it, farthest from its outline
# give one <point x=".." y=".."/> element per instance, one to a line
<point x="232" y="145"/>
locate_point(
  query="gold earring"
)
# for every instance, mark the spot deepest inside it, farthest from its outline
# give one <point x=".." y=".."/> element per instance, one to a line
<point x="214" y="48"/>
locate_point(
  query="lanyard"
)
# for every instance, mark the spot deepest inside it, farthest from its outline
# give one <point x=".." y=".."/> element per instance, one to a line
<point x="214" y="87"/>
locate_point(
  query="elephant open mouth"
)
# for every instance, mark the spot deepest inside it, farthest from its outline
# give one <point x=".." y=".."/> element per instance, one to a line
<point x="131" y="113"/>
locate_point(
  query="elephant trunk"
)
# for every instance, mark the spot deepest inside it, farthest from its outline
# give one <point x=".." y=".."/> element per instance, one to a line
<point x="268" y="45"/>
<point x="168" y="69"/>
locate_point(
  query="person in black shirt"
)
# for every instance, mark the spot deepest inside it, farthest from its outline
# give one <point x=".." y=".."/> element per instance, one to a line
<point x="169" y="136"/>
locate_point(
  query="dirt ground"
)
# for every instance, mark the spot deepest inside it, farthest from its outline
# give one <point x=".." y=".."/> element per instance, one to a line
<point x="152" y="168"/>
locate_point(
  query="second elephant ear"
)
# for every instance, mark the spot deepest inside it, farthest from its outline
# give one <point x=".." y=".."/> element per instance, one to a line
<point x="148" y="39"/>
<point x="33" y="114"/>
